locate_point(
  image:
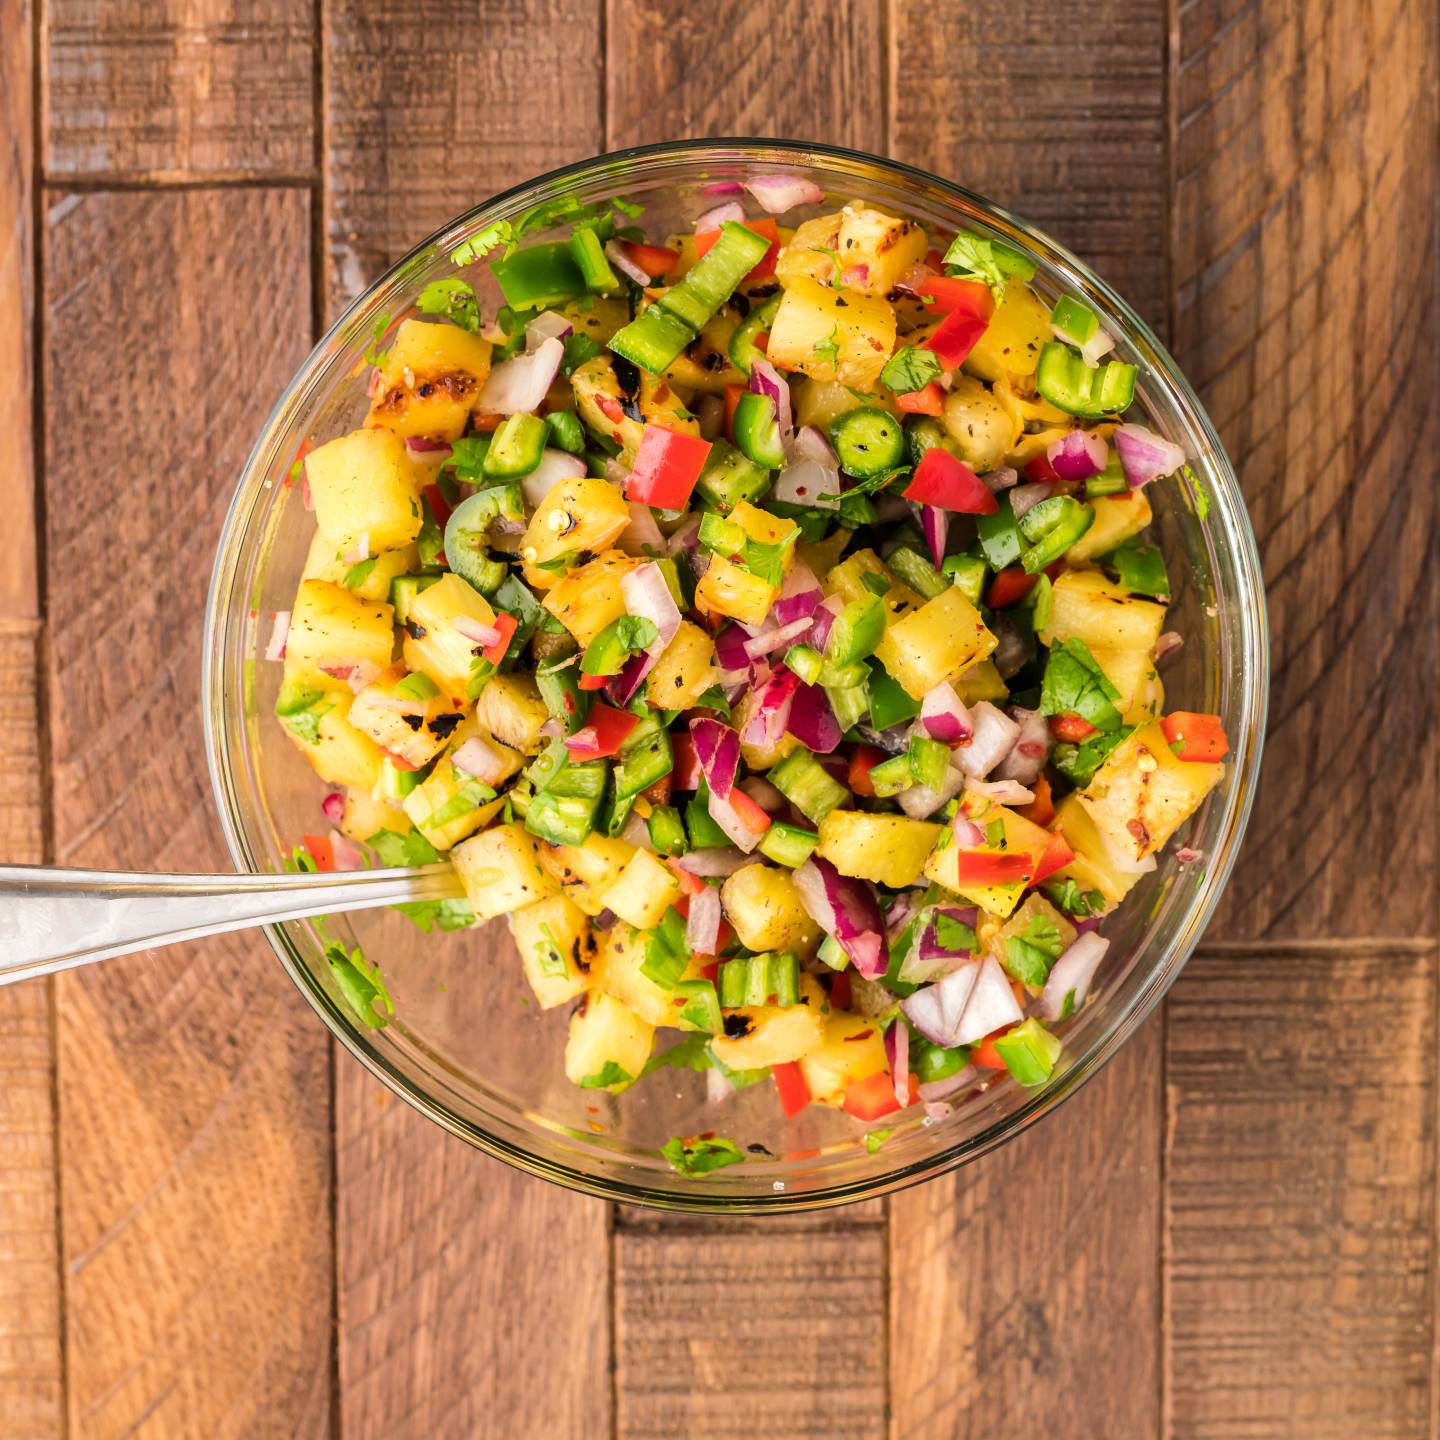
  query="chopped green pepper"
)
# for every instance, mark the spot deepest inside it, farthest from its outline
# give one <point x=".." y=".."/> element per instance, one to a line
<point x="1052" y="527"/>
<point x="1064" y="379"/>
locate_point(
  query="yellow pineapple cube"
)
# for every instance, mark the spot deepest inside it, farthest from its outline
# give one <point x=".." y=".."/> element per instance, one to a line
<point x="362" y="484"/>
<point x="767" y="529"/>
<point x="764" y="906"/>
<point x="1093" y="867"/>
<point x="323" y="562"/>
<point x="332" y="630"/>
<point x="585" y="872"/>
<point x="704" y="365"/>
<point x="608" y="1044"/>
<point x="449" y="804"/>
<point x="1133" y="674"/>
<point x="588" y="599"/>
<point x="1117" y="519"/>
<point x="1086" y="606"/>
<point x="832" y="334"/>
<point x="416" y="736"/>
<point x="1035" y="908"/>
<point x="366" y="814"/>
<point x="430" y="380"/>
<point x="944" y="635"/>
<point x="339" y="753"/>
<point x="983" y="430"/>
<point x="979" y="681"/>
<point x="511" y="709"/>
<point x="1009" y="349"/>
<point x="685" y="670"/>
<point x="1020" y="836"/>
<point x="772" y="1034"/>
<point x="501" y="871"/>
<point x="851" y="1049"/>
<point x="726" y="589"/>
<point x="577" y="515"/>
<point x="888" y="849"/>
<point x="642" y="892"/>
<point x="435" y="646"/>
<point x="617" y="970"/>
<point x="873" y="251"/>
<point x="556" y="948"/>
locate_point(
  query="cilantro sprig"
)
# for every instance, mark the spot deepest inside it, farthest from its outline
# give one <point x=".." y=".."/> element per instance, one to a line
<point x="1074" y="683"/>
<point x="700" y="1155"/>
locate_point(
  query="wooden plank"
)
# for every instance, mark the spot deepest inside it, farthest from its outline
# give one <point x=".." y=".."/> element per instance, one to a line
<point x="193" y="1083"/>
<point x="1300" y="1203"/>
<point x="458" y="1274"/>
<point x="174" y="90"/>
<point x="1059" y="119"/>
<point x="733" y="1336"/>
<point x="1032" y="1277"/>
<point x="432" y="1234"/>
<point x="812" y="72"/>
<point x="1305" y="314"/>
<point x="31" y="1371"/>
<point x="473" y="107"/>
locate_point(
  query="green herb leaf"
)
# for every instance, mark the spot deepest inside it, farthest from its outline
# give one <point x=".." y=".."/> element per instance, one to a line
<point x="972" y="257"/>
<point x="828" y="349"/>
<point x="359" y="573"/>
<point x="578" y="349"/>
<point x="430" y="915"/>
<point x="1075" y="683"/>
<point x="399" y="850"/>
<point x="374" y="355"/>
<point x="699" y="1157"/>
<point x="360" y="984"/>
<point x="1067" y="895"/>
<point x="1029" y="955"/>
<point x="691" y="1053"/>
<point x="714" y="699"/>
<point x="1078" y="763"/>
<point x="501" y="232"/>
<point x="952" y="934"/>
<point x="467" y="457"/>
<point x="766" y="562"/>
<point x="1067" y="1005"/>
<point x="869" y="486"/>
<point x="609" y="1074"/>
<point x="453" y="298"/>
<point x="911" y="368"/>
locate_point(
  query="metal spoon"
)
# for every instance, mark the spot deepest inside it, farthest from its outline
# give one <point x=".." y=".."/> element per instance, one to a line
<point x="53" y="919"/>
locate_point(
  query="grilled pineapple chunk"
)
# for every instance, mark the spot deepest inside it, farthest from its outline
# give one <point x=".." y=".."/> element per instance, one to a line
<point x="821" y="402"/>
<point x="1086" y="606"/>
<point x="433" y="644"/>
<point x="760" y="1035"/>
<point x="874" y="250"/>
<point x="888" y="849"/>
<point x="1143" y="792"/>
<point x="501" y="871"/>
<point x="416" y="736"/>
<point x="617" y="971"/>
<point x="603" y="404"/>
<point x="557" y="948"/>
<point x="944" y="635"/>
<point x="1133" y="674"/>
<point x="362" y="484"/>
<point x="430" y="380"/>
<point x="1117" y="519"/>
<point x="847" y="580"/>
<point x="1035" y="908"/>
<point x="1010" y="347"/>
<point x="332" y="630"/>
<point x="511" y="709"/>
<point x="979" y="681"/>
<point x="448" y="804"/>
<point x="705" y="364"/>
<point x="764" y="906"/>
<point x="726" y="589"/>
<point x="851" y="1049"/>
<point x="585" y="872"/>
<point x="685" y="670"/>
<point x="1093" y="867"/>
<point x="577" y="515"/>
<point x="597" y="317"/>
<point x="323" y="562"/>
<point x="642" y="892"/>
<point x="589" y="598"/>
<point x="366" y="814"/>
<point x="1020" y="836"/>
<point x="608" y="1044"/>
<point x="339" y="753"/>
<point x="832" y="334"/>
<point x="982" y="428"/>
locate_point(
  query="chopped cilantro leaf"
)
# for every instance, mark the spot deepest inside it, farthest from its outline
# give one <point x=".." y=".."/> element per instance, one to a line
<point x="1029" y="955"/>
<point x="360" y="984"/>
<point x="609" y="1074"/>
<point x="972" y="257"/>
<point x="910" y="368"/>
<point x="1078" y="763"/>
<point x="395" y="849"/>
<point x="691" y="1053"/>
<point x="429" y="915"/>
<point x="1067" y="895"/>
<point x="374" y="355"/>
<point x="1075" y="683"/>
<point x="455" y="299"/>
<point x="500" y="232"/>
<point x="694" y="1157"/>
<point x="1201" y="494"/>
<point x="828" y="349"/>
<point x="359" y="573"/>
<point x="952" y="934"/>
<point x="578" y="349"/>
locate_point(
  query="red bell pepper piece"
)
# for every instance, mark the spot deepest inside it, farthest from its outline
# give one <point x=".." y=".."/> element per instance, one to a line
<point x="602" y="735"/>
<point x="504" y="623"/>
<point x="1072" y="728"/>
<point x="765" y="266"/>
<point x="947" y="295"/>
<point x="690" y="884"/>
<point x="863" y="759"/>
<point x="790" y="1085"/>
<point x="322" y="851"/>
<point x="1040" y="471"/>
<point x="667" y="465"/>
<point x="752" y="817"/>
<point x="594" y="682"/>
<point x="1056" y="857"/>
<point x="399" y="761"/>
<point x="1009" y="587"/>
<point x="940" y="479"/>
<point x="654" y="260"/>
<point x="986" y="1056"/>
<point x="1041" y="810"/>
<point x="955" y="337"/>
<point x="732" y="403"/>
<point x="840" y="991"/>
<point x="993" y="867"/>
<point x="687" y="773"/>
<point x="928" y="400"/>
<point x="492" y="421"/>
<point x="874" y="1096"/>
<point x="439" y="505"/>
<point x="1193" y="736"/>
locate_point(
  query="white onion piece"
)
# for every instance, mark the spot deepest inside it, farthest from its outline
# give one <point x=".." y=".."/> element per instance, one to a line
<point x="938" y="1010"/>
<point x="479" y="758"/>
<point x="1024" y="498"/>
<point x="1031" y="748"/>
<point x="1185" y="855"/>
<point x="637" y="833"/>
<point x="728" y="819"/>
<point x="616" y="255"/>
<point x="648" y="596"/>
<point x="717" y="1087"/>
<point x="481" y="634"/>
<point x="279" y="632"/>
<point x="702" y="926"/>
<point x="554" y="466"/>
<point x="361" y="675"/>
<point x="348" y="855"/>
<point x="779" y="193"/>
<point x="803" y="482"/>
<point x="1074" y="970"/>
<point x="968" y="835"/>
<point x="548" y="325"/>
<point x="767" y="642"/>
<point x="642" y="535"/>
<point x="990" y="1007"/>
<point x="717" y="215"/>
<point x="765" y="379"/>
<point x="398" y="704"/>
<point x="995" y="733"/>
<point x="1100" y="343"/>
<point x="521" y="383"/>
<point x="713" y="861"/>
<point x="811" y="444"/>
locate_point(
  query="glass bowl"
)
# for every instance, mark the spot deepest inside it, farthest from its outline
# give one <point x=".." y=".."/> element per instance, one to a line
<point x="468" y="1047"/>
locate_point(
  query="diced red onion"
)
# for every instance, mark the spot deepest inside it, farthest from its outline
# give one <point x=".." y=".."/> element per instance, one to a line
<point x="717" y="747"/>
<point x="1168" y="644"/>
<point x="702" y="925"/>
<point x="547" y="325"/>
<point x="822" y="620"/>
<point x="637" y="833"/>
<point x="722" y="187"/>
<point x="1074" y="970"/>
<point x="994" y="733"/>
<point x="717" y="215"/>
<point x="944" y="716"/>
<point x="937" y="1011"/>
<point x="812" y="722"/>
<point x="935" y="1091"/>
<point x="935" y="523"/>
<point x="855" y="276"/>
<point x="997" y="480"/>
<point x="1078" y="454"/>
<point x="764" y="794"/>
<point x="991" y="1006"/>
<point x="348" y="855"/>
<point x="479" y="758"/>
<point x="1102" y="342"/>
<point x="765" y="379"/>
<point x="897" y="1053"/>
<point x="805" y="482"/>
<point x="725" y="815"/>
<point x="642" y="535"/>
<point x="648" y="596"/>
<point x="811" y="444"/>
<point x="1024" y="498"/>
<point x="521" y="383"/>
<point x="1002" y="792"/>
<point x="730" y="649"/>
<point x="779" y="193"/>
<point x="279" y="633"/>
<point x="766" y="725"/>
<point x="619" y="257"/>
<point x="1031" y="749"/>
<point x="1187" y="856"/>
<point x="481" y="634"/>
<point x="847" y="910"/>
<point x="1144" y="455"/>
<point x="432" y="450"/>
<point x="799" y="595"/>
<point x="359" y="551"/>
<point x="767" y="642"/>
<point x="553" y="728"/>
<point x="713" y="862"/>
<point x="968" y="835"/>
<point x="554" y="466"/>
<point x="684" y="537"/>
<point x="332" y="807"/>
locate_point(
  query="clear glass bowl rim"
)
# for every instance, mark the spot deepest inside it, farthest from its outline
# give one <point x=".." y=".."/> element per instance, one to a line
<point x="1228" y="512"/>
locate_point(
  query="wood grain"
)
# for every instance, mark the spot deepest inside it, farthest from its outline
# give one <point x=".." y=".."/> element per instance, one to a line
<point x="1055" y="113"/>
<point x="803" y="71"/>
<point x="1305" y="314"/>
<point x="469" y="1295"/>
<point x="179" y="89"/>
<point x="1032" y="1278"/>
<point x="734" y="1336"/>
<point x="1300" y="1206"/>
<point x="193" y="1083"/>
<point x="426" y="117"/>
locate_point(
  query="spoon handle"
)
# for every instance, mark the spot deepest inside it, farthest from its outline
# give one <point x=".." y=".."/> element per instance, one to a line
<point x="54" y="919"/>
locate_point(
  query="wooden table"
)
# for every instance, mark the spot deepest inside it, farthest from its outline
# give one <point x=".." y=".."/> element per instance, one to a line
<point x="211" y="1224"/>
